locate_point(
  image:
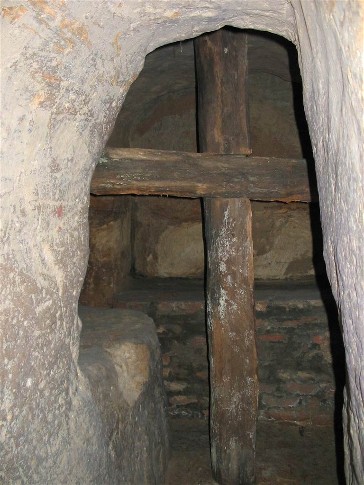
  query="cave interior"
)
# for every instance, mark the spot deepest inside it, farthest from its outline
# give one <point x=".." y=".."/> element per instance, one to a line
<point x="148" y="253"/>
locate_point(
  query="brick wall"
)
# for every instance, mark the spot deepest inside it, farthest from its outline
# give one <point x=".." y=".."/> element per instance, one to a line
<point x="300" y="352"/>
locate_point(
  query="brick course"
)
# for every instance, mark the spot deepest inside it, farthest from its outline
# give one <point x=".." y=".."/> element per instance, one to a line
<point x="300" y="353"/>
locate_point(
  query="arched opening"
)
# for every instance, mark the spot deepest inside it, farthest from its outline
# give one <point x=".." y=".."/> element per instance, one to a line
<point x="156" y="263"/>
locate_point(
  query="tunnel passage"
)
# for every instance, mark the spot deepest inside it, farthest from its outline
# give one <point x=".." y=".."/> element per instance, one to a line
<point x="63" y="90"/>
<point x="155" y="233"/>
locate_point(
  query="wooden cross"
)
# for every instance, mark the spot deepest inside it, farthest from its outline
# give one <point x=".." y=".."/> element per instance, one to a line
<point x="226" y="180"/>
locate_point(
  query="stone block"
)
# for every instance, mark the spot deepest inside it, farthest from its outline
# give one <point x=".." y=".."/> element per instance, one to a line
<point x="168" y="239"/>
<point x="120" y="356"/>
<point x="110" y="249"/>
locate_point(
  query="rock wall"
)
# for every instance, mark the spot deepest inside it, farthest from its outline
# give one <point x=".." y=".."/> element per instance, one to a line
<point x="120" y="355"/>
<point x="67" y="68"/>
<point x="168" y="239"/>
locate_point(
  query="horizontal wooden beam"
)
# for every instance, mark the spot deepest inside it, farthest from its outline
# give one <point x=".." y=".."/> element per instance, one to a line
<point x="182" y="174"/>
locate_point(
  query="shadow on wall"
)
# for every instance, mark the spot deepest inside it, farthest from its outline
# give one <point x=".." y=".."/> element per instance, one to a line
<point x="336" y="340"/>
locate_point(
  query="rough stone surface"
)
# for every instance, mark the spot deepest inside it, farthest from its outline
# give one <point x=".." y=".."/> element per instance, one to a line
<point x="168" y="239"/>
<point x="287" y="241"/>
<point x="120" y="356"/>
<point x="286" y="454"/>
<point x="160" y="108"/>
<point x="66" y="69"/>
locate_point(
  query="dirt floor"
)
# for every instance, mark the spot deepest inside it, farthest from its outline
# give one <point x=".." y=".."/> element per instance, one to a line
<point x="286" y="454"/>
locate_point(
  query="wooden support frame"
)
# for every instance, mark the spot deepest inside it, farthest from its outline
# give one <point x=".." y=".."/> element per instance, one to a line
<point x="231" y="336"/>
<point x="222" y="103"/>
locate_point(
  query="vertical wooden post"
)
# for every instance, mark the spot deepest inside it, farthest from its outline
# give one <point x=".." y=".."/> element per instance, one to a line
<point x="222" y="102"/>
<point x="221" y="67"/>
<point x="230" y="320"/>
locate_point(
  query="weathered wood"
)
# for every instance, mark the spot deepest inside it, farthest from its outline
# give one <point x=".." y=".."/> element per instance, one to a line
<point x="221" y="70"/>
<point x="231" y="330"/>
<point x="221" y="65"/>
<point x="155" y="172"/>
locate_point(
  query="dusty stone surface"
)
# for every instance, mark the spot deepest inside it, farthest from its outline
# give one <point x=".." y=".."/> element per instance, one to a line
<point x="168" y="239"/>
<point x="160" y="108"/>
<point x="287" y="241"/>
<point x="67" y="68"/>
<point x="120" y="356"/>
<point x="160" y="103"/>
<point x="286" y="454"/>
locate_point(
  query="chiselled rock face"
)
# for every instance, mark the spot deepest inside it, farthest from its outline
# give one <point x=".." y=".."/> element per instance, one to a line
<point x="67" y="68"/>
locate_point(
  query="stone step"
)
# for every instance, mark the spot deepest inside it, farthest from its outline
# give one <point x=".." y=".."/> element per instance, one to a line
<point x="185" y="295"/>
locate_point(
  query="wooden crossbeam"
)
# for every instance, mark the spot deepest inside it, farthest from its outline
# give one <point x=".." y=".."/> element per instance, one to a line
<point x="182" y="174"/>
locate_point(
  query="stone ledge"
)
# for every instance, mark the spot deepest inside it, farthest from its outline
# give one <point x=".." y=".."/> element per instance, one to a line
<point x="120" y="356"/>
<point x="186" y="295"/>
